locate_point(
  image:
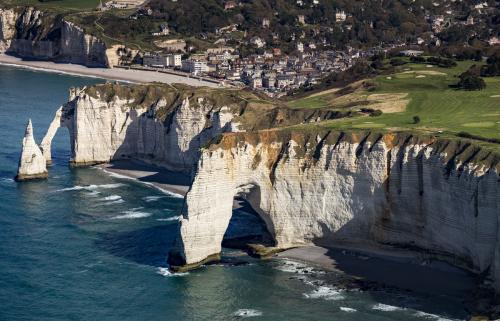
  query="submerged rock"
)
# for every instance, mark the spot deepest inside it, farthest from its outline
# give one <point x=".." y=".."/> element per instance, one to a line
<point x="32" y="163"/>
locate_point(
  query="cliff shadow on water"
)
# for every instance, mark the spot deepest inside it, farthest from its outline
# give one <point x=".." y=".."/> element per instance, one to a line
<point x="146" y="246"/>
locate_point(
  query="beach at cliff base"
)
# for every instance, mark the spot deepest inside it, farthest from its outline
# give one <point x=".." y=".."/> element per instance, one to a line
<point x="398" y="269"/>
<point x="175" y="184"/>
<point x="119" y="74"/>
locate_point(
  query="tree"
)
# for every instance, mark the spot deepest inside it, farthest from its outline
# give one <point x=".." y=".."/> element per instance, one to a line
<point x="416" y="119"/>
<point x="471" y="82"/>
<point x="397" y="62"/>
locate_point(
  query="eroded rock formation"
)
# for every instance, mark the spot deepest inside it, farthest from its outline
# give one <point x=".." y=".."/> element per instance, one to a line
<point x="310" y="186"/>
<point x="160" y="124"/>
<point x="32" y="162"/>
<point x="33" y="34"/>
<point x="332" y="188"/>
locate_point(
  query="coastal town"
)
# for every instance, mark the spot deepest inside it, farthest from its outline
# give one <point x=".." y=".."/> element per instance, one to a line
<point x="268" y="159"/>
<point x="266" y="66"/>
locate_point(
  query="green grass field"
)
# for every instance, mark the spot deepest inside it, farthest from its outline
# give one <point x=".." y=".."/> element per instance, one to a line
<point x="441" y="109"/>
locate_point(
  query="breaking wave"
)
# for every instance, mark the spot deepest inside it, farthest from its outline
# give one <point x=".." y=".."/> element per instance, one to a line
<point x="247" y="313"/>
<point x="386" y="307"/>
<point x="324" y="292"/>
<point x="430" y="316"/>
<point x="115" y="202"/>
<point x="90" y="187"/>
<point x="297" y="267"/>
<point x="169" y="219"/>
<point x="346" y="309"/>
<point x="133" y="213"/>
<point x="166" y="272"/>
<point x="152" y="198"/>
<point x="112" y="198"/>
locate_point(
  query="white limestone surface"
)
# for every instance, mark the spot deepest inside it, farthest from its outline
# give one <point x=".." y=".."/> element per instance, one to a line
<point x="351" y="193"/>
<point x="23" y="33"/>
<point x="32" y="162"/>
<point x="102" y="130"/>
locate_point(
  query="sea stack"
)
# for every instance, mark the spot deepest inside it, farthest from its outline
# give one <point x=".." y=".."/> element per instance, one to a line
<point x="32" y="164"/>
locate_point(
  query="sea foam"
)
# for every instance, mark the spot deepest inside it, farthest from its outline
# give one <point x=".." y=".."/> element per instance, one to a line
<point x="169" y="219"/>
<point x="386" y="307"/>
<point x="90" y="187"/>
<point x="324" y="292"/>
<point x="112" y="198"/>
<point x="430" y="316"/>
<point x="247" y="313"/>
<point x="153" y="198"/>
<point x="166" y="272"/>
<point x="346" y="309"/>
<point x="133" y="213"/>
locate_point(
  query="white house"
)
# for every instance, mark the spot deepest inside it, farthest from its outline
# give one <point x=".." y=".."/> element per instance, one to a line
<point x="257" y="41"/>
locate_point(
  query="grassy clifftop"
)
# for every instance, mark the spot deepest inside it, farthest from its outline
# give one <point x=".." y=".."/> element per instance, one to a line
<point x="308" y="143"/>
<point x="444" y="113"/>
<point x="416" y="90"/>
<point x="252" y="111"/>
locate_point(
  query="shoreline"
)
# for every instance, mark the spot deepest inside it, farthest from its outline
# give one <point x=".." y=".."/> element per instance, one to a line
<point x="399" y="269"/>
<point x="117" y="74"/>
<point x="170" y="183"/>
<point x="396" y="268"/>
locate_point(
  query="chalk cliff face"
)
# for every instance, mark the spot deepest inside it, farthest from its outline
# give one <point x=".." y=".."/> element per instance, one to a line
<point x="309" y="185"/>
<point x="30" y="33"/>
<point x="160" y="124"/>
<point x="331" y="188"/>
<point x="32" y="162"/>
<point x="154" y="123"/>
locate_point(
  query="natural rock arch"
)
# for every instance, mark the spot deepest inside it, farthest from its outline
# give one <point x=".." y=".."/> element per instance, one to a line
<point x="210" y="209"/>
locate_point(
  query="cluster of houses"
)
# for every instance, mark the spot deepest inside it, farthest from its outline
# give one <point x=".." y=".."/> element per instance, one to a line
<point x="271" y="72"/>
<point x="119" y="4"/>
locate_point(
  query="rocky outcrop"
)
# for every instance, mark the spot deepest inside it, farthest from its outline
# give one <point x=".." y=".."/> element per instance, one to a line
<point x="160" y="124"/>
<point x="45" y="146"/>
<point x="32" y="34"/>
<point x="154" y="123"/>
<point x="8" y="20"/>
<point x="439" y="197"/>
<point x="32" y="162"/>
<point x="310" y="186"/>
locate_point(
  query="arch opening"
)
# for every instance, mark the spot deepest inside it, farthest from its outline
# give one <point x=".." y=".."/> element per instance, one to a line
<point x="249" y="227"/>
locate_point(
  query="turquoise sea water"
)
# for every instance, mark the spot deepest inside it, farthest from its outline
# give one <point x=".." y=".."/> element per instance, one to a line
<point x="84" y="245"/>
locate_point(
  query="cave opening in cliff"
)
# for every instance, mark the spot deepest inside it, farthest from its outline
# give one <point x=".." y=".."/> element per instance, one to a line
<point x="247" y="227"/>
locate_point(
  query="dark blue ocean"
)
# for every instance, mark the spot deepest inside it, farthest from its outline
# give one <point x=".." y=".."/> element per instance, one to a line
<point x="84" y="245"/>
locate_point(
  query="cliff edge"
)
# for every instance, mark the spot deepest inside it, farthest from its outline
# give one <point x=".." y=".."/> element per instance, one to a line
<point x="29" y="33"/>
<point x="436" y="196"/>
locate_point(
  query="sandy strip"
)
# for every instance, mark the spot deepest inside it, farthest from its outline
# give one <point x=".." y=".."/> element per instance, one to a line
<point x="160" y="178"/>
<point x="400" y="269"/>
<point x="134" y="76"/>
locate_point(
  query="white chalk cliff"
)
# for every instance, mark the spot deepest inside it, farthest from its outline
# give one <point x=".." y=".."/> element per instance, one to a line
<point x="334" y="189"/>
<point x="311" y="186"/>
<point x="32" y="162"/>
<point x="33" y="34"/>
<point x="164" y="132"/>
